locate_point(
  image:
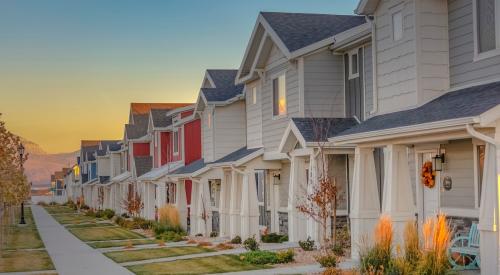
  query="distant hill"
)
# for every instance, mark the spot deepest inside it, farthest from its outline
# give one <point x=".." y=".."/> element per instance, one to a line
<point x="40" y="165"/>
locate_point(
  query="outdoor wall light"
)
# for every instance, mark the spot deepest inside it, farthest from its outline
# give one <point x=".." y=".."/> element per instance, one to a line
<point x="438" y="162"/>
<point x="277" y="178"/>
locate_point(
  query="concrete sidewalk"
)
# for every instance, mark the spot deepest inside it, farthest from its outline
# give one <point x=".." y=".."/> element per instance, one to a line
<point x="70" y="255"/>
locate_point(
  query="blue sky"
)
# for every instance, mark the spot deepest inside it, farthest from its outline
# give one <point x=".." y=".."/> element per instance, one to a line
<point x="62" y="58"/>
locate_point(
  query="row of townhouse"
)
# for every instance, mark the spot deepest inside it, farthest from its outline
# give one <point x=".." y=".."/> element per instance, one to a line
<point x="400" y="85"/>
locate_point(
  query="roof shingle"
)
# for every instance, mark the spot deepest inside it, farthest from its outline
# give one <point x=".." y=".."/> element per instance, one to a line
<point x="320" y="129"/>
<point x="143" y="164"/>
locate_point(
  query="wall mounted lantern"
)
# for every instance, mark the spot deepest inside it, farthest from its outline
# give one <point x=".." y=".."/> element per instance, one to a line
<point x="438" y="161"/>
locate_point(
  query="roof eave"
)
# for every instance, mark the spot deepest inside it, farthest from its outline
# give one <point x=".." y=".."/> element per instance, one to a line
<point x="366" y="7"/>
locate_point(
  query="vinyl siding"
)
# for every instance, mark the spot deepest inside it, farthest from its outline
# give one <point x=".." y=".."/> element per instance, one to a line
<point x="323" y="85"/>
<point x="254" y="116"/>
<point x="103" y="167"/>
<point x="284" y="185"/>
<point x="229" y="128"/>
<point x="273" y="128"/>
<point x="368" y="81"/>
<point x="433" y="49"/>
<point x="337" y="168"/>
<point x="207" y="135"/>
<point x="396" y="66"/>
<point x="460" y="166"/>
<point x="463" y="70"/>
<point x="116" y="162"/>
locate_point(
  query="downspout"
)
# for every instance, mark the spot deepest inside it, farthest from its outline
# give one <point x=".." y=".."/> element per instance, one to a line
<point x="478" y="135"/>
<point x="374" y="64"/>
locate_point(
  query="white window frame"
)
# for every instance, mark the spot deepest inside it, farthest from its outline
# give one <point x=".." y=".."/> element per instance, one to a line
<point x="491" y="53"/>
<point x="277" y="77"/>
<point x="175" y="142"/>
<point x="254" y="95"/>
<point x="352" y="53"/>
<point x="399" y="25"/>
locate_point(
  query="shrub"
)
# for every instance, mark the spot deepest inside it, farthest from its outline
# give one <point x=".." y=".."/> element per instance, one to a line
<point x="251" y="244"/>
<point x="260" y="257"/>
<point x="125" y="215"/>
<point x="84" y="207"/>
<point x="273" y="238"/>
<point x="378" y="258"/>
<point x="223" y="246"/>
<point x="202" y="244"/>
<point x="437" y="236"/>
<point x="169" y="216"/>
<point x="99" y="214"/>
<point x="53" y="203"/>
<point x="90" y="213"/>
<point x="284" y="238"/>
<point x="338" y="250"/>
<point x="236" y="240"/>
<point x="171" y="236"/>
<point x="285" y="256"/>
<point x="213" y="234"/>
<point x="334" y="271"/>
<point x="199" y="235"/>
<point x="142" y="223"/>
<point x="307" y="245"/>
<point x="108" y="213"/>
<point x="327" y="260"/>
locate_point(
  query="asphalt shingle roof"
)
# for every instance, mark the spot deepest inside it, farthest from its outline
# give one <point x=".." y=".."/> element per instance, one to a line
<point x="320" y="129"/>
<point x="115" y="147"/>
<point x="143" y="164"/>
<point x="190" y="168"/>
<point x="222" y="94"/>
<point x="463" y="103"/>
<point x="223" y="78"/>
<point x="298" y="30"/>
<point x="160" y="118"/>
<point x="236" y="155"/>
<point x="139" y="128"/>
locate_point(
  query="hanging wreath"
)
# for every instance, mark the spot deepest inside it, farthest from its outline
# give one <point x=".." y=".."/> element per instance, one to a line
<point x="427" y="175"/>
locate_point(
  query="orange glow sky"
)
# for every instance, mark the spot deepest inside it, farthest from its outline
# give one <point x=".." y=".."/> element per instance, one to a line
<point x="69" y="69"/>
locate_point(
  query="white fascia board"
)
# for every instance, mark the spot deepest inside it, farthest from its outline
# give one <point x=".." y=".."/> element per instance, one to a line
<point x="291" y="129"/>
<point x="207" y="76"/>
<point x="274" y="156"/>
<point x="144" y="138"/>
<point x="245" y="55"/>
<point x="489" y="117"/>
<point x="358" y="34"/>
<point x="274" y="36"/>
<point x="240" y="161"/>
<point x="227" y="102"/>
<point x="366" y="7"/>
<point x="201" y="100"/>
<point x="425" y="128"/>
<point x="181" y="109"/>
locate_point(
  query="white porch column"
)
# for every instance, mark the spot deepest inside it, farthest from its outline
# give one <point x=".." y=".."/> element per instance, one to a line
<point x="313" y="228"/>
<point x="297" y="223"/>
<point x="488" y="212"/>
<point x="234" y="206"/>
<point x="365" y="203"/>
<point x="223" y="207"/>
<point x="249" y="207"/>
<point x="181" y="202"/>
<point x="204" y="206"/>
<point x="195" y="201"/>
<point x="397" y="196"/>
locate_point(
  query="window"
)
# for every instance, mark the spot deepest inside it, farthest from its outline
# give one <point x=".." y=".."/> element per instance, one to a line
<point x="487" y="26"/>
<point x="354" y="64"/>
<point x="279" y="96"/>
<point x="254" y="95"/>
<point x="397" y="26"/>
<point x="176" y="142"/>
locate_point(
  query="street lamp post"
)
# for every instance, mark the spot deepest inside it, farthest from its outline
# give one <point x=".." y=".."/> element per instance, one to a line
<point x="20" y="150"/>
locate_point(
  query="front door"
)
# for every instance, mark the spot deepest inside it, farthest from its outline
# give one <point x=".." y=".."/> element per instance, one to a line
<point x="430" y="196"/>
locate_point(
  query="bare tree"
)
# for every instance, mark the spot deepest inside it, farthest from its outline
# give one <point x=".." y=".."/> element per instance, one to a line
<point x="133" y="203"/>
<point x="204" y="214"/>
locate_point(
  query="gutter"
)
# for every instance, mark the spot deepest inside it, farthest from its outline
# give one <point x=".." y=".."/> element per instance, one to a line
<point x="478" y="135"/>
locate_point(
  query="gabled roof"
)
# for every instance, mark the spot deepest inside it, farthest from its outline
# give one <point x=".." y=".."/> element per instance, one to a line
<point x="115" y="147"/>
<point x="222" y="77"/>
<point x="160" y="118"/>
<point x="222" y="94"/>
<point x="298" y="30"/>
<point x="143" y="164"/>
<point x="139" y="128"/>
<point x="144" y="108"/>
<point x="190" y="168"/>
<point x="236" y="155"/>
<point x="464" y="103"/>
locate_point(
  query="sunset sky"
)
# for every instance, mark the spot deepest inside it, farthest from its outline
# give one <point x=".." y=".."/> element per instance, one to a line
<point x="69" y="69"/>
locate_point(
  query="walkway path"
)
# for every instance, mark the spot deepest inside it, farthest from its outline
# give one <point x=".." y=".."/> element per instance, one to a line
<point x="70" y="255"/>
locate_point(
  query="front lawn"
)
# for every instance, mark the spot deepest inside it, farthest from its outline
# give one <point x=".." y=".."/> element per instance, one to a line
<point x="91" y="225"/>
<point x="120" y="243"/>
<point x="18" y="261"/>
<point x="154" y="253"/>
<point x="104" y="233"/>
<point x="71" y="218"/>
<point x="59" y="209"/>
<point x="24" y="237"/>
<point x="207" y="265"/>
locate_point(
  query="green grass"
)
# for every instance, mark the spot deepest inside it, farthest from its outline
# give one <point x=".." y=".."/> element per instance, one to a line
<point x="59" y="209"/>
<point x="25" y="237"/>
<point x="154" y="253"/>
<point x="74" y="218"/>
<point x="17" y="261"/>
<point x="207" y="265"/>
<point x="120" y="243"/>
<point x="90" y="225"/>
<point x="104" y="234"/>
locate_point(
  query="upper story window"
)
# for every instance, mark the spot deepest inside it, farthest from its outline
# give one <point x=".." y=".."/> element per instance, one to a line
<point x="175" y="142"/>
<point x="254" y="95"/>
<point x="486" y="28"/>
<point x="279" y="96"/>
<point x="354" y="64"/>
<point x="397" y="26"/>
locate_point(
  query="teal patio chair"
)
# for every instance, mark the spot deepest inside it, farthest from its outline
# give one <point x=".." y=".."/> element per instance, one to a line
<point x="463" y="253"/>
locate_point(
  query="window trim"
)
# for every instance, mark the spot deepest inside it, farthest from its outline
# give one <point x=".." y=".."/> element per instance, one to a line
<point x="393" y="30"/>
<point x="175" y="135"/>
<point x="491" y="53"/>
<point x="351" y="53"/>
<point x="276" y="77"/>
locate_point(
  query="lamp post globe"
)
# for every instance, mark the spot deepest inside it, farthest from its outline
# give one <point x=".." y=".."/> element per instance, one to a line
<point x="20" y="150"/>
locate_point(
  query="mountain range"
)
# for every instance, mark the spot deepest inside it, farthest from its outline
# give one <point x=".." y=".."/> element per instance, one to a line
<point x="40" y="164"/>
